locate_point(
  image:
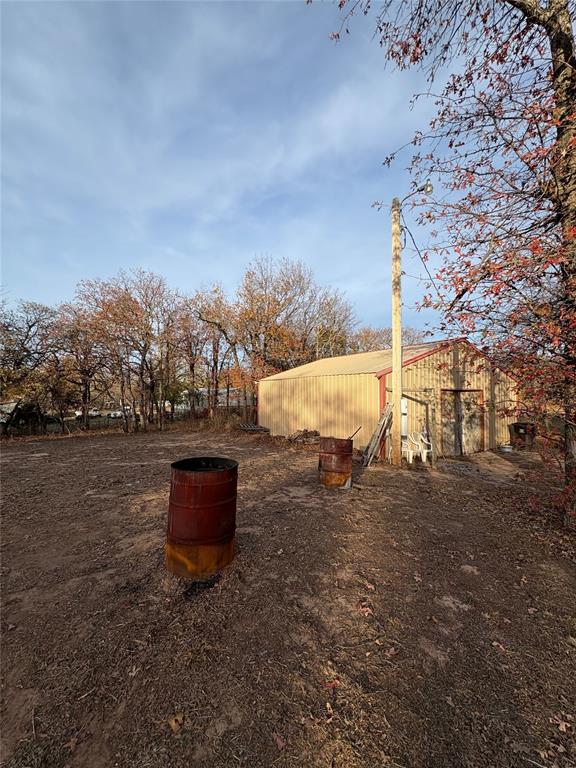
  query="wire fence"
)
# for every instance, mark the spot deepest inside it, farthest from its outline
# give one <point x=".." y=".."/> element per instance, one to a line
<point x="72" y="424"/>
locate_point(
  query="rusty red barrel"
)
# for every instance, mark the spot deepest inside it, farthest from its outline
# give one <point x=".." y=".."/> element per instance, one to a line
<point x="201" y="516"/>
<point x="335" y="463"/>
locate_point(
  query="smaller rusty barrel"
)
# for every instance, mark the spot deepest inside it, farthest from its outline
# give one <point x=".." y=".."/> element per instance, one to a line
<point x="201" y="516"/>
<point x="522" y="435"/>
<point x="335" y="462"/>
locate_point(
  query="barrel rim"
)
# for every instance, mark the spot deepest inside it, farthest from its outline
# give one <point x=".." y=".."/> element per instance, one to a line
<point x="203" y="464"/>
<point x="336" y="442"/>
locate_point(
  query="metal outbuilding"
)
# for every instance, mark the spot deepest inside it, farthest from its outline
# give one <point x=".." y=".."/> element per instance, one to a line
<point x="450" y="390"/>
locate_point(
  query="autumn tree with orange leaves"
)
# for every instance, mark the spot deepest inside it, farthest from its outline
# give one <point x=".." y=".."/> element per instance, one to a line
<point x="134" y="342"/>
<point x="503" y="147"/>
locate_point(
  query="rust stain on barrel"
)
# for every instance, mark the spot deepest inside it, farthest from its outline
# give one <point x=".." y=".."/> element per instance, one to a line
<point x="201" y="516"/>
<point x="335" y="463"/>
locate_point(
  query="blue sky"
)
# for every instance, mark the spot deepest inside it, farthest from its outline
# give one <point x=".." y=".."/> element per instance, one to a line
<point x="185" y="138"/>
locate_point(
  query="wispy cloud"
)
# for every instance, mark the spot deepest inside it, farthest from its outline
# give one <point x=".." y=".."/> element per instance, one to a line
<point x="178" y="136"/>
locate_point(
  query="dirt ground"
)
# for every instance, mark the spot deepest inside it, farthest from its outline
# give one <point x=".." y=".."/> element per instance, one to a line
<point x="422" y="619"/>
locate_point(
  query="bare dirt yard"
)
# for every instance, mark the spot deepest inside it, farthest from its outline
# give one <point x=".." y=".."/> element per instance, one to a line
<point x="422" y="619"/>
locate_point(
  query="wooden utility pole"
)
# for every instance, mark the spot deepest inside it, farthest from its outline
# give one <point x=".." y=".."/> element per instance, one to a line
<point x="432" y="437"/>
<point x="396" y="337"/>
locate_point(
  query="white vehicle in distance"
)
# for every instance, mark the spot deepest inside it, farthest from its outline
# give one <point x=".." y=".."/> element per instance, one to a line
<point x="94" y="412"/>
<point x="116" y="415"/>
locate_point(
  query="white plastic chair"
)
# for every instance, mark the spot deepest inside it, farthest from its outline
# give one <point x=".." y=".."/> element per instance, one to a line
<point x="409" y="448"/>
<point x="416" y="443"/>
<point x="425" y="447"/>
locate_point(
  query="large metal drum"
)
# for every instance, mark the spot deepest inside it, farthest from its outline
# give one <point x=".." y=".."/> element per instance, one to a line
<point x="335" y="462"/>
<point x="201" y="516"/>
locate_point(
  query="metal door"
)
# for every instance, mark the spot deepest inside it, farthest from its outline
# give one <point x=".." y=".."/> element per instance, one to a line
<point x="451" y="432"/>
<point x="462" y="422"/>
<point x="471" y="421"/>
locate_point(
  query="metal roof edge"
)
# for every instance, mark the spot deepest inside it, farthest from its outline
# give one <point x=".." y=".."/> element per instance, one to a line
<point x="448" y="344"/>
<point x="440" y="345"/>
<point x="431" y="347"/>
<point x="317" y="375"/>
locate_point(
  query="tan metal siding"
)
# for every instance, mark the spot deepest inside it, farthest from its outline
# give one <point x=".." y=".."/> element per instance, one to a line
<point x="458" y="368"/>
<point x="334" y="405"/>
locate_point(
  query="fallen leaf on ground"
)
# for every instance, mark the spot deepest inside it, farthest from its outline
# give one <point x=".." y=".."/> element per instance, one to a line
<point x="498" y="645"/>
<point x="176" y="722"/>
<point x="332" y="683"/>
<point x="279" y="741"/>
<point x="562" y="724"/>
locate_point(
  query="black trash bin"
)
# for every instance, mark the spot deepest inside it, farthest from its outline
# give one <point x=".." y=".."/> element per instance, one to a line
<point x="522" y="435"/>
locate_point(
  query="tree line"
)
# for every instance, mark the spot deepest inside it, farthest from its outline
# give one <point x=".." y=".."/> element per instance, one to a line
<point x="136" y="342"/>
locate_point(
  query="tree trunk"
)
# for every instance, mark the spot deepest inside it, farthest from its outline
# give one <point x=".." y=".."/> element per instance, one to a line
<point x="85" y="402"/>
<point x="192" y="388"/>
<point x="143" y="403"/>
<point x="562" y="47"/>
<point x="570" y="464"/>
<point x="125" y="426"/>
<point x="135" y="415"/>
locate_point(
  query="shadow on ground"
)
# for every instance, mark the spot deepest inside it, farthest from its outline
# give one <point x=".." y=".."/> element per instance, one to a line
<point x="418" y="619"/>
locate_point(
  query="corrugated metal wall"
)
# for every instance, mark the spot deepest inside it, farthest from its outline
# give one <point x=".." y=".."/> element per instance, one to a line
<point x="458" y="368"/>
<point x="337" y="405"/>
<point x="334" y="405"/>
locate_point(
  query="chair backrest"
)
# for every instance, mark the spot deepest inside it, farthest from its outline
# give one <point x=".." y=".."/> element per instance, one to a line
<point x="421" y="440"/>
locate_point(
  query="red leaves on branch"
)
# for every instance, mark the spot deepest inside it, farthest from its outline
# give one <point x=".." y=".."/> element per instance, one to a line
<point x="502" y="144"/>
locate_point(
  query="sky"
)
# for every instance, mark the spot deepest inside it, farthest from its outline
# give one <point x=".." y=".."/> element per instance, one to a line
<point x="188" y="137"/>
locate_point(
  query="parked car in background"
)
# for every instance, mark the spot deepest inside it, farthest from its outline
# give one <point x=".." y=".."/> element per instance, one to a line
<point x="78" y="413"/>
<point x="116" y="415"/>
<point x="94" y="412"/>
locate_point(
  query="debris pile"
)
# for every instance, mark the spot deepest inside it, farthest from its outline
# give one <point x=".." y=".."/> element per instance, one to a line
<point x="254" y="428"/>
<point x="304" y="436"/>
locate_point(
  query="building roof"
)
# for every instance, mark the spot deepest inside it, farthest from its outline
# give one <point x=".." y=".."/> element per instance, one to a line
<point x="362" y="362"/>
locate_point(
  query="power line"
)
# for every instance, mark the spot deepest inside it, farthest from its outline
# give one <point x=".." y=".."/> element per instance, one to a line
<point x="422" y="259"/>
